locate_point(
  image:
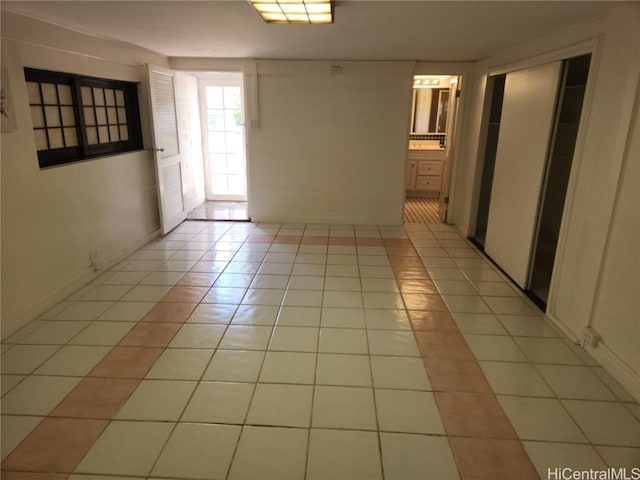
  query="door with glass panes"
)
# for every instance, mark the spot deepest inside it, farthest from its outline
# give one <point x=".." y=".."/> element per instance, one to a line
<point x="223" y="124"/>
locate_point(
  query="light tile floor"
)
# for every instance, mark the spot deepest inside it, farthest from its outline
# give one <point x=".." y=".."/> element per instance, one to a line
<point x="261" y="351"/>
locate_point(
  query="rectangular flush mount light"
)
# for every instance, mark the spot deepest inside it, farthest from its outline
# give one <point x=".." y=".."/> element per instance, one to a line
<point x="294" y="11"/>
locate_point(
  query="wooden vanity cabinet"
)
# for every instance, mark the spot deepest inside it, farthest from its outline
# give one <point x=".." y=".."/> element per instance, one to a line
<point x="424" y="173"/>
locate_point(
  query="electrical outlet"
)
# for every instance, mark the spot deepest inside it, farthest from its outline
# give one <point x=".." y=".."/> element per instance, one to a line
<point x="591" y="337"/>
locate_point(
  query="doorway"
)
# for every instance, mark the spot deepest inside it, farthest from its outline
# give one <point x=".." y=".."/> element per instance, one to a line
<point x="222" y="110"/>
<point x="434" y="108"/>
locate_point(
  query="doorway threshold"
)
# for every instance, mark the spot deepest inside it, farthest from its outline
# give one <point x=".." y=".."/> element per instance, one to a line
<point x="220" y="211"/>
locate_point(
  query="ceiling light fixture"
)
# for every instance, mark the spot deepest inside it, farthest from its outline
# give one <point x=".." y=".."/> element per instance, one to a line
<point x="294" y="11"/>
<point x="428" y="81"/>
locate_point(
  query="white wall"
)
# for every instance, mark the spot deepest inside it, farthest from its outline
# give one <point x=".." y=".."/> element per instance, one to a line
<point x="53" y="218"/>
<point x="330" y="148"/>
<point x="616" y="312"/>
<point x="583" y="265"/>
<point x="327" y="148"/>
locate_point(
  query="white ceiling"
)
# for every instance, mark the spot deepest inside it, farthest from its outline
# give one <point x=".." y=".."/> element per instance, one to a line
<point x="363" y="30"/>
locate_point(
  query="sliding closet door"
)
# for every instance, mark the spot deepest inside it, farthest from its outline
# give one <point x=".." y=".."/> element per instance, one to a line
<point x="525" y="127"/>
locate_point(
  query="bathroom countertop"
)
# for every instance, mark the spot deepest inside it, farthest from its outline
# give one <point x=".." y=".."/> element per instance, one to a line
<point x="425" y="145"/>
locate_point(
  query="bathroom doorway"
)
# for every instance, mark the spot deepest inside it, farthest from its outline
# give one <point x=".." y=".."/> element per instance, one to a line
<point x="434" y="109"/>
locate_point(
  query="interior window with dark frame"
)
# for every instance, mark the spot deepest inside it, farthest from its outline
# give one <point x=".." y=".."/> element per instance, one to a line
<point x="77" y="117"/>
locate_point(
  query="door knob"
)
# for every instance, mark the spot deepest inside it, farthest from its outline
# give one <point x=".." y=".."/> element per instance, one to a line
<point x="155" y="149"/>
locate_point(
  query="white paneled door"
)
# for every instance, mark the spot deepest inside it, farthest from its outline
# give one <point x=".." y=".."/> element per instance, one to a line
<point x="528" y="113"/>
<point x="166" y="147"/>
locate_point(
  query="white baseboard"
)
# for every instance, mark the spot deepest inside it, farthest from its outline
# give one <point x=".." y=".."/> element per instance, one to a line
<point x="569" y="333"/>
<point x="607" y="359"/>
<point x="619" y="370"/>
<point x="24" y="315"/>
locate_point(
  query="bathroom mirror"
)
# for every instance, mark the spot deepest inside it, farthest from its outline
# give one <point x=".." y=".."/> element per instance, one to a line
<point x="430" y="108"/>
<point x="430" y="103"/>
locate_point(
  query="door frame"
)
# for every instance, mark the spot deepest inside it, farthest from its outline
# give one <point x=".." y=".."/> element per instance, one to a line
<point x="447" y="190"/>
<point x="573" y="326"/>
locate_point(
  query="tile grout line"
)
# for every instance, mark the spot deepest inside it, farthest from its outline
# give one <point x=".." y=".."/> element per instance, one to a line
<point x="39" y="427"/>
<point x="139" y="380"/>
<point x="566" y="410"/>
<point x="373" y="389"/>
<point x="315" y="372"/>
<point x="200" y="379"/>
<point x="273" y="327"/>
<point x="448" y="437"/>
<point x="458" y="470"/>
<point x="535" y="365"/>
<point x="454" y="449"/>
<point x="264" y="359"/>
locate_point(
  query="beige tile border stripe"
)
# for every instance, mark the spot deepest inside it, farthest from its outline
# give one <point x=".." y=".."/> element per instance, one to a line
<point x="481" y="437"/>
<point x="483" y="441"/>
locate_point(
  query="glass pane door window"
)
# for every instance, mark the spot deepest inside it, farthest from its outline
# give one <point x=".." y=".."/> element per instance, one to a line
<point x="225" y="138"/>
